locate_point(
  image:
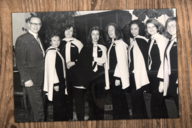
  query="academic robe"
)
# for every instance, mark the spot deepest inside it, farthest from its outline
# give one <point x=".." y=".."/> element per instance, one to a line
<point x="156" y="53"/>
<point x="51" y="77"/>
<point x="161" y="42"/>
<point x="117" y="69"/>
<point x="170" y="67"/>
<point x="85" y="65"/>
<point x="138" y="52"/>
<point x="121" y="69"/>
<point x="70" y="49"/>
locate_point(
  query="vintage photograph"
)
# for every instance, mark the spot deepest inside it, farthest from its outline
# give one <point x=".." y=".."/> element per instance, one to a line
<point x="95" y="65"/>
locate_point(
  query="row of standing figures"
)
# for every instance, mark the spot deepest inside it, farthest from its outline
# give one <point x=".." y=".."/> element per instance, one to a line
<point x="142" y="65"/>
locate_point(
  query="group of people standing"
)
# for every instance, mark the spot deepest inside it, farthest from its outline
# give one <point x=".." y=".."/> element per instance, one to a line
<point x="147" y="63"/>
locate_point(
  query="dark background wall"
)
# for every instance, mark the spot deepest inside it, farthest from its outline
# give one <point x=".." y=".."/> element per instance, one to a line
<point x="86" y="22"/>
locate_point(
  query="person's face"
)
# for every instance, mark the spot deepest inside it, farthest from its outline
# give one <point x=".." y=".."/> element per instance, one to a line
<point x="111" y="31"/>
<point x="171" y="27"/>
<point x="55" y="41"/>
<point x="34" y="25"/>
<point x="69" y="32"/>
<point x="95" y="36"/>
<point x="134" y="30"/>
<point x="151" y="29"/>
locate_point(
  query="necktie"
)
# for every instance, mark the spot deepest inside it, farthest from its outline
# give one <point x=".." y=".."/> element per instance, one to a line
<point x="39" y="42"/>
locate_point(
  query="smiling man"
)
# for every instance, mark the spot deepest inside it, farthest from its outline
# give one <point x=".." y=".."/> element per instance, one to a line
<point x="30" y="62"/>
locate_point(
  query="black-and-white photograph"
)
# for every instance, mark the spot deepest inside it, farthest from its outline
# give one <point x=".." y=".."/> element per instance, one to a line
<point x="95" y="65"/>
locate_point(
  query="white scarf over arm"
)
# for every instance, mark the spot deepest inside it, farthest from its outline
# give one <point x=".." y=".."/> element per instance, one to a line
<point x="121" y="69"/>
<point x="162" y="43"/>
<point x="68" y="47"/>
<point x="103" y="58"/>
<point x="50" y="76"/>
<point x="140" y="71"/>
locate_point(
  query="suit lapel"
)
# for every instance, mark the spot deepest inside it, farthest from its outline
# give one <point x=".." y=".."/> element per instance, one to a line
<point x="35" y="44"/>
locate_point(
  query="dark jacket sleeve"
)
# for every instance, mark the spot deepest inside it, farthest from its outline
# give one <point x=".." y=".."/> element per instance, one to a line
<point x="21" y="53"/>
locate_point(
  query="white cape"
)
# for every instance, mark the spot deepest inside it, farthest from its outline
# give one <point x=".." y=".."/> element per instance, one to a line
<point x="50" y="76"/>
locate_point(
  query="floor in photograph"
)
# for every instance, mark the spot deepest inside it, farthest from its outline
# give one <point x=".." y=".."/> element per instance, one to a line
<point x="21" y="113"/>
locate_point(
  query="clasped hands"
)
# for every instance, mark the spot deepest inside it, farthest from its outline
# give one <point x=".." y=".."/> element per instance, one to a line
<point x="28" y="83"/>
<point x="117" y="83"/>
<point x="98" y="60"/>
<point x="70" y="64"/>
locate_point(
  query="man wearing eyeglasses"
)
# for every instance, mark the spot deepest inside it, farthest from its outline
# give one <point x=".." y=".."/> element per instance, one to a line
<point x="30" y="62"/>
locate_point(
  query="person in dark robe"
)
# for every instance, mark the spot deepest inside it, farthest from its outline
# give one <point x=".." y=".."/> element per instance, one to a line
<point x="117" y="70"/>
<point x="137" y="58"/>
<point x="171" y="68"/>
<point x="70" y="49"/>
<point x="55" y="78"/>
<point x="157" y="45"/>
<point x="92" y="73"/>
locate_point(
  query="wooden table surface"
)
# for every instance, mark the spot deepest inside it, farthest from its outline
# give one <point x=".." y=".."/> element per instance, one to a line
<point x="184" y="34"/>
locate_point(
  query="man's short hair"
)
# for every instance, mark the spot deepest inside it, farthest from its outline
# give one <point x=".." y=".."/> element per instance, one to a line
<point x="33" y="17"/>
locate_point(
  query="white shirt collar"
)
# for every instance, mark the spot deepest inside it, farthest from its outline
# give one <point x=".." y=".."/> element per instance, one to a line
<point x="94" y="45"/>
<point x="34" y="34"/>
<point x="174" y="38"/>
<point x="51" y="47"/>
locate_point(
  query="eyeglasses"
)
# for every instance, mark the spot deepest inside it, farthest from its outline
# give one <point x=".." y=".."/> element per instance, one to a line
<point x="35" y="24"/>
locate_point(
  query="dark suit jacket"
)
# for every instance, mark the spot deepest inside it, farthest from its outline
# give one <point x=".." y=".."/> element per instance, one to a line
<point x="30" y="60"/>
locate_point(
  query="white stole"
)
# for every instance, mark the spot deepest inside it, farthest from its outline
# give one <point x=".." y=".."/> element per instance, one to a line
<point x="121" y="69"/>
<point x="140" y="71"/>
<point x="95" y="47"/>
<point x="149" y="55"/>
<point x="68" y="52"/>
<point x="108" y="58"/>
<point x="50" y="76"/>
<point x="68" y="47"/>
<point x="167" y="67"/>
<point x="162" y="43"/>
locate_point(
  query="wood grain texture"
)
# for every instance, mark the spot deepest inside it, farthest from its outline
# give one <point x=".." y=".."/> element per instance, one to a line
<point x="184" y="36"/>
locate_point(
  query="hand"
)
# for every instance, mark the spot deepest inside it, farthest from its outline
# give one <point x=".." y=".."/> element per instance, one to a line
<point x="161" y="87"/>
<point x="98" y="60"/>
<point x="117" y="82"/>
<point x="28" y="83"/>
<point x="100" y="64"/>
<point x="70" y="64"/>
<point x="56" y="88"/>
<point x="106" y="88"/>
